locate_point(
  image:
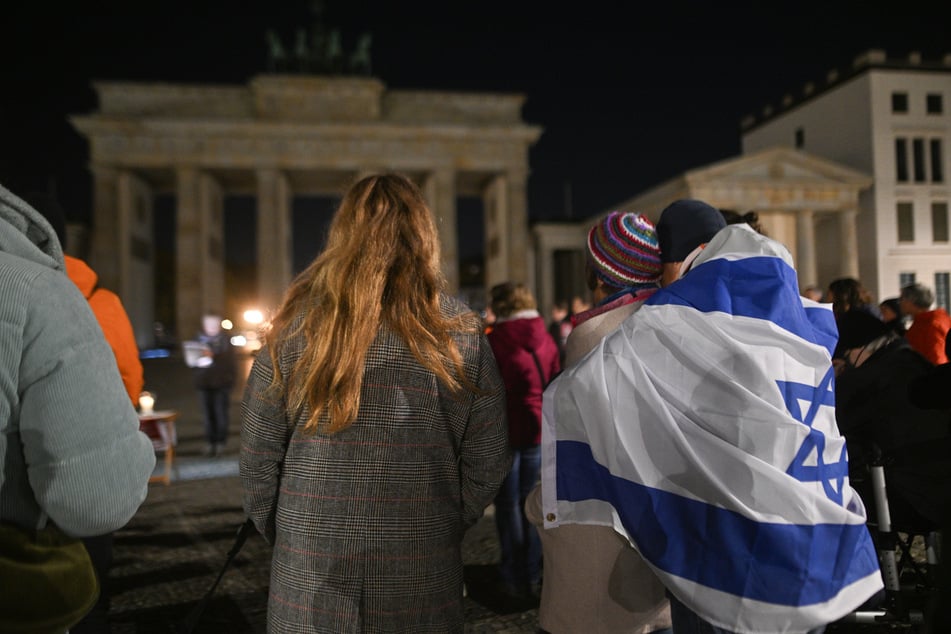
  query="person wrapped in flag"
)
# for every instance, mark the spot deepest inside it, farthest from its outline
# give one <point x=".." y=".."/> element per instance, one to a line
<point x="595" y="582"/>
<point x="713" y="448"/>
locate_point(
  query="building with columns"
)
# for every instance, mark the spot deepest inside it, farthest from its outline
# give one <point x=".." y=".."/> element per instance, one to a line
<point x="890" y="118"/>
<point x="277" y="137"/>
<point x="806" y="202"/>
<point x="850" y="175"/>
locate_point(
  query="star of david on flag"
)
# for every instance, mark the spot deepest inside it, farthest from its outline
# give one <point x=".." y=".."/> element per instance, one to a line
<point x="809" y="464"/>
<point x="703" y="431"/>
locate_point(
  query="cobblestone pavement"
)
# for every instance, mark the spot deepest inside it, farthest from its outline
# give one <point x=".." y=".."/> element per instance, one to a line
<point x="170" y="553"/>
<point x="168" y="556"/>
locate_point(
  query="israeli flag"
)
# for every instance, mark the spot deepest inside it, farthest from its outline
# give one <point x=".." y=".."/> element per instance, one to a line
<point x="703" y="430"/>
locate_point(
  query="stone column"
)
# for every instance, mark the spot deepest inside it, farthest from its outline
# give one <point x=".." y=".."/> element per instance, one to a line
<point x="439" y="189"/>
<point x="806" y="248"/>
<point x="137" y="255"/>
<point x="496" y="234"/>
<point x="519" y="251"/>
<point x="274" y="246"/>
<point x="103" y="256"/>
<point x="849" y="259"/>
<point x="545" y="274"/>
<point x="212" y="241"/>
<point x="189" y="252"/>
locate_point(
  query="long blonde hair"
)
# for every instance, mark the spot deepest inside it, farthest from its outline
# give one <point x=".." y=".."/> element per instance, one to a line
<point x="380" y="266"/>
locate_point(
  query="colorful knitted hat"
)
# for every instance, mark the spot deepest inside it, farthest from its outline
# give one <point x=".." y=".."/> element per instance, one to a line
<point x="624" y="251"/>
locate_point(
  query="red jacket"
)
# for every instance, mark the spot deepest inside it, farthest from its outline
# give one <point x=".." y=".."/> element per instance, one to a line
<point x="512" y="341"/>
<point x="927" y="334"/>
<point x="114" y="322"/>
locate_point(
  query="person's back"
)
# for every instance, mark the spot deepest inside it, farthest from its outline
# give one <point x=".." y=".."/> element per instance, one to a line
<point x="928" y="333"/>
<point x="697" y="441"/>
<point x="929" y="327"/>
<point x="875" y="413"/>
<point x="214" y="378"/>
<point x="374" y="438"/>
<point x="105" y="305"/>
<point x="848" y="293"/>
<point x="890" y="310"/>
<point x="114" y="323"/>
<point x="70" y="450"/>
<point x="518" y="338"/>
<point x="528" y="360"/>
<point x="388" y="486"/>
<point x="594" y="580"/>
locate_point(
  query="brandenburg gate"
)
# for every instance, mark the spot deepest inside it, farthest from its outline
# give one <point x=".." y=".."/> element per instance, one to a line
<point x="277" y="137"/>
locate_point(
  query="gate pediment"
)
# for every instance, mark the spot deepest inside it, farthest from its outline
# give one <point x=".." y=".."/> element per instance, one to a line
<point x="779" y="166"/>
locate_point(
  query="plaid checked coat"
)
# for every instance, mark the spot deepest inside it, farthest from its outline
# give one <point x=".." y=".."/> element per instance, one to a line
<point x="367" y="523"/>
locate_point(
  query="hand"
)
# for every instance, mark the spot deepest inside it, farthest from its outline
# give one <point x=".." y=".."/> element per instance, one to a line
<point x="838" y="366"/>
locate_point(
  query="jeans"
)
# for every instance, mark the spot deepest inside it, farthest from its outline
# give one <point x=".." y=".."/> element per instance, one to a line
<point x="214" y="405"/>
<point x="686" y="621"/>
<point x="521" y="547"/>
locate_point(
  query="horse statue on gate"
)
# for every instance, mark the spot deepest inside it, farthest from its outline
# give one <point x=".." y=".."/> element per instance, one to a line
<point x="360" y="58"/>
<point x="276" y="55"/>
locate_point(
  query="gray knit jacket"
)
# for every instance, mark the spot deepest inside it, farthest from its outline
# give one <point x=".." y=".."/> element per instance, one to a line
<point x="70" y="447"/>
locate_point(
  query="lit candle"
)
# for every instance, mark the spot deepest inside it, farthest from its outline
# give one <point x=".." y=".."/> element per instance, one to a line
<point x="146" y="402"/>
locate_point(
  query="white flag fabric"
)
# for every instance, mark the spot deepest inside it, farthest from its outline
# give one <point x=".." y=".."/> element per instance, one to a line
<point x="703" y="430"/>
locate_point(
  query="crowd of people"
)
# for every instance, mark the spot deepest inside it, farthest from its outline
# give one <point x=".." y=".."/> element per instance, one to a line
<point x="686" y="452"/>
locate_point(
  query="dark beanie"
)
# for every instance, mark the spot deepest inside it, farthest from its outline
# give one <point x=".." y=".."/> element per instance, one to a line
<point x="858" y="328"/>
<point x="684" y="225"/>
<point x="52" y="211"/>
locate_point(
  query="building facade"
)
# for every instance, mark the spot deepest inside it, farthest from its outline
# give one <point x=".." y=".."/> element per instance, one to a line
<point x="889" y="118"/>
<point x="806" y="202"/>
<point x="277" y="137"/>
<point x="851" y="176"/>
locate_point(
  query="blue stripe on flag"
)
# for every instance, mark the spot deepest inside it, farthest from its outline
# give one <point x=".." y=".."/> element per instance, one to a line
<point x="761" y="287"/>
<point x="785" y="564"/>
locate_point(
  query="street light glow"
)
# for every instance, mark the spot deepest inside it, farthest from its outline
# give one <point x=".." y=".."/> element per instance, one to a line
<point x="253" y="316"/>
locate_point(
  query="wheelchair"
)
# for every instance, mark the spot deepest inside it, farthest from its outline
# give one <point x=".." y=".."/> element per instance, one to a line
<point x="909" y="554"/>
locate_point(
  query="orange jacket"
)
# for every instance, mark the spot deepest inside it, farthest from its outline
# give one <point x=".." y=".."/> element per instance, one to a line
<point x="927" y="333"/>
<point x="114" y="322"/>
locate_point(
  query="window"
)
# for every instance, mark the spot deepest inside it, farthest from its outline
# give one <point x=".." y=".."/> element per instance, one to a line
<point x="941" y="280"/>
<point x="899" y="102"/>
<point x="933" y="104"/>
<point x="925" y="157"/>
<point x="939" y="222"/>
<point x="937" y="164"/>
<point x="918" y="157"/>
<point x="901" y="160"/>
<point x="906" y="222"/>
<point x="906" y="278"/>
<point x="800" y="138"/>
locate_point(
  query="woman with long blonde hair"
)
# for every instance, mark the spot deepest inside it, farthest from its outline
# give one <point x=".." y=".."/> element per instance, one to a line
<point x="374" y="427"/>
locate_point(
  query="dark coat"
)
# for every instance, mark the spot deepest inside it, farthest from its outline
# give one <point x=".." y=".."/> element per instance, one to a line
<point x="873" y="409"/>
<point x="933" y="390"/>
<point x="220" y="374"/>
<point x="512" y="342"/>
<point x="367" y="524"/>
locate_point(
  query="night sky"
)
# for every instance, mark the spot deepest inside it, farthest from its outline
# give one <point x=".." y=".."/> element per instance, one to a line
<point x="629" y="93"/>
